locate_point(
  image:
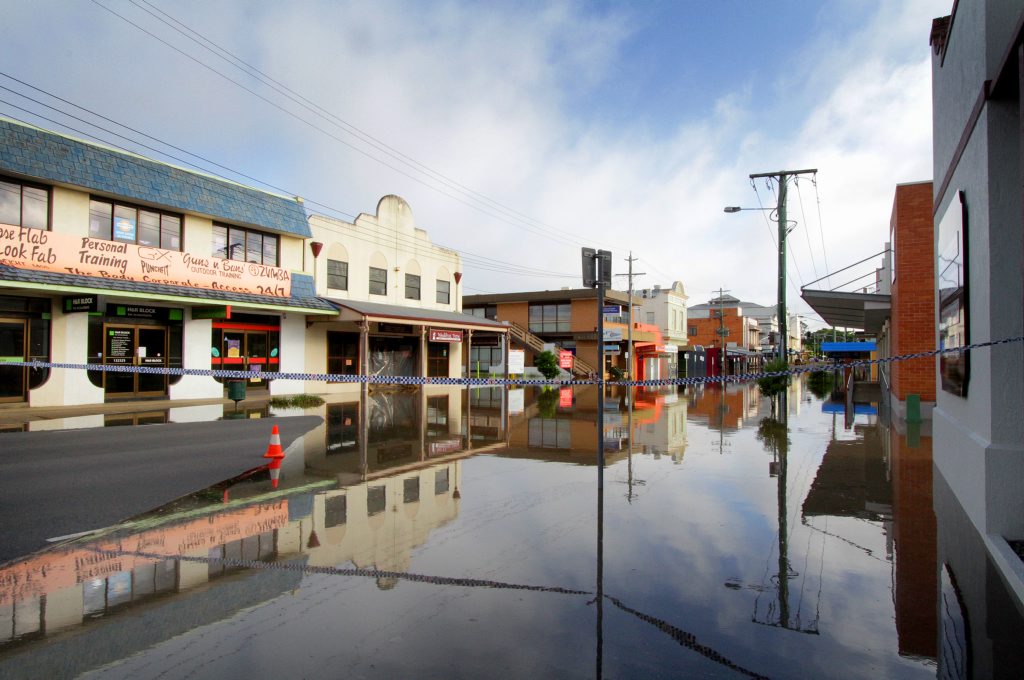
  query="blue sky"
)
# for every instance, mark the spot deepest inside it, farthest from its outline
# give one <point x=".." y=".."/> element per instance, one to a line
<point x="625" y="126"/>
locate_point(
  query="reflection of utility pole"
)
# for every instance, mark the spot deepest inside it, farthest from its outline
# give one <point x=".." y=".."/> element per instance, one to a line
<point x="629" y="316"/>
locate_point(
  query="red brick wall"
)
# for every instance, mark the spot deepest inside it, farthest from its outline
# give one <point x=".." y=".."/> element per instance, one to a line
<point x="912" y="236"/>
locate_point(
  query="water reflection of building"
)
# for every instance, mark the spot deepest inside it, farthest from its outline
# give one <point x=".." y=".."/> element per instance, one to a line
<point x="49" y="598"/>
<point x="721" y="407"/>
<point x="664" y="435"/>
<point x="387" y="428"/>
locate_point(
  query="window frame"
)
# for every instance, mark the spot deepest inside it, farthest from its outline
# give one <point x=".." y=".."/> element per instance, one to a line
<point x="21" y="198"/>
<point x="337" y="276"/>
<point x="444" y="289"/>
<point x="164" y="235"/>
<point x="382" y="286"/>
<point x="231" y="230"/>
<point x="412" y="292"/>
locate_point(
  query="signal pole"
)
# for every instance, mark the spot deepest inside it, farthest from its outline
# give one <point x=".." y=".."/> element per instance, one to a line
<point x="782" y="177"/>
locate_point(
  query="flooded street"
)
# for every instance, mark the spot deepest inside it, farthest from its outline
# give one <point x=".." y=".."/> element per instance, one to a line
<point x="424" y="534"/>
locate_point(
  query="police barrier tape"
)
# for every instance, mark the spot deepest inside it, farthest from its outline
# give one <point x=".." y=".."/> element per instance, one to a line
<point x="418" y="380"/>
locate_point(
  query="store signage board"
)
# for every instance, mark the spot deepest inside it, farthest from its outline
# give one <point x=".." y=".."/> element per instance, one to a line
<point x="81" y="303"/>
<point x="565" y="358"/>
<point x="613" y="335"/>
<point x="612" y="309"/>
<point x="145" y="312"/>
<point x="47" y="251"/>
<point x="437" y="335"/>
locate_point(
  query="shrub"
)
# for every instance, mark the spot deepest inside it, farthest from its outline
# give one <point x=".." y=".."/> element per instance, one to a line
<point x="547" y="363"/>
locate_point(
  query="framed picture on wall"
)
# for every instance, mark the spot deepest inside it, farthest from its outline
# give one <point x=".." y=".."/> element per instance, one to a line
<point x="952" y="284"/>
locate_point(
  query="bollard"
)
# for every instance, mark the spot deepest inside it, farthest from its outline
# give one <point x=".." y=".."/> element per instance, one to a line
<point x="913" y="408"/>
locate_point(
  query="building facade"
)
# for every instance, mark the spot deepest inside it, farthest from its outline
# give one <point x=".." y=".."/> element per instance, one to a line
<point x="567" y="320"/>
<point x="398" y="301"/>
<point x="723" y="323"/>
<point x="979" y="241"/>
<point x="114" y="259"/>
<point x="666" y="309"/>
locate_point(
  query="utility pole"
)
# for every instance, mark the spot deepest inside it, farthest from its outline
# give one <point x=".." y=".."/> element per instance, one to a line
<point x="783" y="177"/>
<point x="629" y="316"/>
<point x="722" y="331"/>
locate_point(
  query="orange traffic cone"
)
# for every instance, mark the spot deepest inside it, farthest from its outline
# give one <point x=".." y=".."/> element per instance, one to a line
<point x="276" y="455"/>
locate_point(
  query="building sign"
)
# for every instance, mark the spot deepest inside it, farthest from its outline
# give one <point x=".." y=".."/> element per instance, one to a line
<point x="613" y="335"/>
<point x="146" y="312"/>
<point x="445" y="336"/>
<point x="667" y="349"/>
<point x="612" y="349"/>
<point x="211" y="312"/>
<point x="81" y="303"/>
<point x="612" y="309"/>
<point x="565" y="359"/>
<point x="516" y="361"/>
<point x="48" y="251"/>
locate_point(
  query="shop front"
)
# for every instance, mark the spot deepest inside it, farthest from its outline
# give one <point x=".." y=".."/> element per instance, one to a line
<point x="24" y="336"/>
<point x="143" y="336"/>
<point x="247" y="342"/>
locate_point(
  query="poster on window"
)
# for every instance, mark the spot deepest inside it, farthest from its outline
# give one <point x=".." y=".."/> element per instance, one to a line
<point x="951" y="273"/>
<point x="124" y="228"/>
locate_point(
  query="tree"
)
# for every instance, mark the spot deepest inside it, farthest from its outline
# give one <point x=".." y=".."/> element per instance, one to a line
<point x="547" y="363"/>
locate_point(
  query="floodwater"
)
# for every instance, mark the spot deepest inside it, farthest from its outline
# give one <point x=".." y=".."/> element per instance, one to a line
<point x="431" y="534"/>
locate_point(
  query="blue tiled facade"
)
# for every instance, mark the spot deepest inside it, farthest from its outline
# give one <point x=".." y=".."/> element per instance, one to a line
<point x="48" y="157"/>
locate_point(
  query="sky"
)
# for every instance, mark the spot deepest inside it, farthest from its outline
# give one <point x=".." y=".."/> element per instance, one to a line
<point x="520" y="132"/>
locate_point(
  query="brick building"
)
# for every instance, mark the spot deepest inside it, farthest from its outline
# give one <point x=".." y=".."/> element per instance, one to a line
<point x="742" y="338"/>
<point x="912" y="323"/>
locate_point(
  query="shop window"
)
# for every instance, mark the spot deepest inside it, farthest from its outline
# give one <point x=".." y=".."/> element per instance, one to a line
<point x="24" y="205"/>
<point x="378" y="281"/>
<point x="246" y="245"/>
<point x="444" y="295"/>
<point x="337" y="274"/>
<point x="437" y="359"/>
<point x="412" y="287"/>
<point x="129" y="224"/>
<point x="342" y="353"/>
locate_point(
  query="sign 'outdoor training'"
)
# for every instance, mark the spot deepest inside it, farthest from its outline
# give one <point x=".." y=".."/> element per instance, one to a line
<point x="27" y="248"/>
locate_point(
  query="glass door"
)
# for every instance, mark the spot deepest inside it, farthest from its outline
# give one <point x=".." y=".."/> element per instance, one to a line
<point x="135" y="346"/>
<point x="151" y="351"/>
<point x="13" y="381"/>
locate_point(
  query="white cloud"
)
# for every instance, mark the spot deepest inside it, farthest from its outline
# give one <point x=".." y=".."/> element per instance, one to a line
<point x="494" y="98"/>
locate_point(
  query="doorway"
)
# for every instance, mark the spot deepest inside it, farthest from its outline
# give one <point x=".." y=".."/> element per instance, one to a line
<point x="13" y="379"/>
<point x="250" y="350"/>
<point x="144" y="346"/>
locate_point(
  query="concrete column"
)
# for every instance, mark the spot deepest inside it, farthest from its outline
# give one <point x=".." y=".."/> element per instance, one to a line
<point x="67" y="386"/>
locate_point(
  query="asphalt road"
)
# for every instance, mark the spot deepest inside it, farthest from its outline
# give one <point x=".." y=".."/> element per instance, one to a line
<point x="59" y="483"/>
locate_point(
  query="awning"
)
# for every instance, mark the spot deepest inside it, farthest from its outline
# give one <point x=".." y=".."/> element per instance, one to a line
<point x="355" y="310"/>
<point x="866" y="311"/>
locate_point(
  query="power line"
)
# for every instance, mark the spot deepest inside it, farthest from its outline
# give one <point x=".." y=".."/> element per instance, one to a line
<point x="477" y="261"/>
<point x="547" y="231"/>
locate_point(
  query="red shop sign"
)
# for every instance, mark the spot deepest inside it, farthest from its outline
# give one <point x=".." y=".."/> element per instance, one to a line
<point x="445" y="336"/>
